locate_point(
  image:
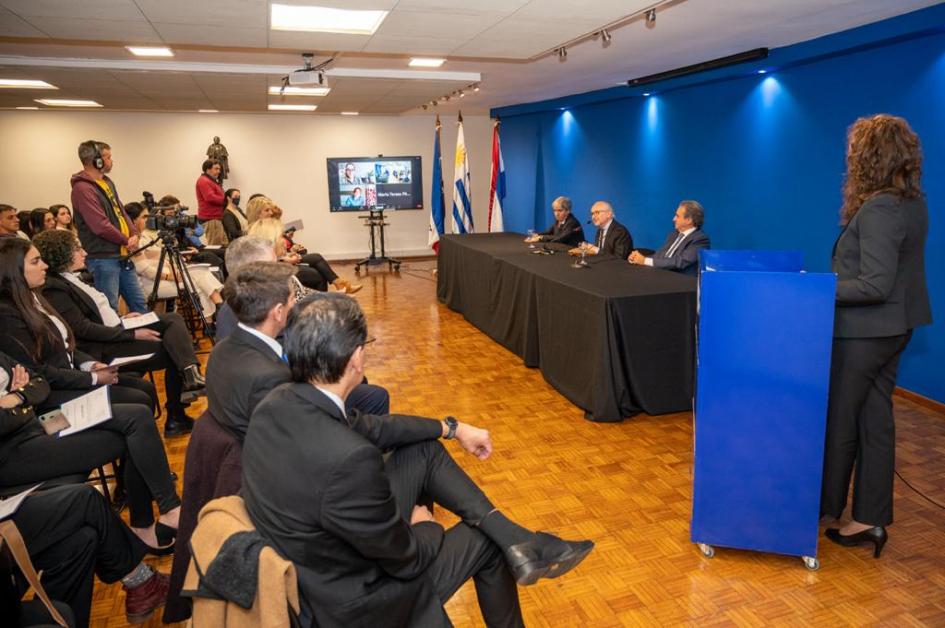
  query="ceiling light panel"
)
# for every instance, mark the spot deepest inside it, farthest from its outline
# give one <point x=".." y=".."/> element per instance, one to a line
<point x="25" y="84"/>
<point x="325" y="19"/>
<point x="150" y="51"/>
<point x="426" y="62"/>
<point x="275" y="107"/>
<point x="66" y="102"/>
<point x="294" y="90"/>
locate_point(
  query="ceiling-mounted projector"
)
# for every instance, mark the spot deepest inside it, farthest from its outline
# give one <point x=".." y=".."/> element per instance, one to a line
<point x="307" y="77"/>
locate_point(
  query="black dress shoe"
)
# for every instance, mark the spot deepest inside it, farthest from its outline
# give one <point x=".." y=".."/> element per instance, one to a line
<point x="193" y="380"/>
<point x="176" y="426"/>
<point x="546" y="556"/>
<point x="875" y="535"/>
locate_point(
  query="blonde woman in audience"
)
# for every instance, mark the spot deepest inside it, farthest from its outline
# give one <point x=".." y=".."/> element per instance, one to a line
<point x="257" y="209"/>
<point x="314" y="272"/>
<point x="146" y="263"/>
<point x="214" y="234"/>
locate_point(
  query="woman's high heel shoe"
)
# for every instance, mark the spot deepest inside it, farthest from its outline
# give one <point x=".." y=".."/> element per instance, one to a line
<point x="165" y="534"/>
<point x="875" y="535"/>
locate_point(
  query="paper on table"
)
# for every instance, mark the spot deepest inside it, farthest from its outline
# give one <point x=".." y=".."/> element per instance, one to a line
<point x="10" y="505"/>
<point x="139" y="321"/>
<point x="87" y="411"/>
<point x="212" y="247"/>
<point x="128" y="360"/>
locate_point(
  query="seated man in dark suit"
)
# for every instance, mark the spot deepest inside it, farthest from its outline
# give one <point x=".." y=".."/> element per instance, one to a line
<point x="680" y="252"/>
<point x="318" y="488"/>
<point x="566" y="228"/>
<point x="612" y="237"/>
<point x="248" y="363"/>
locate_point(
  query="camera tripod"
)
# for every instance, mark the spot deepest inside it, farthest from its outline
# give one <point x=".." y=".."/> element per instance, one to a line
<point x="186" y="289"/>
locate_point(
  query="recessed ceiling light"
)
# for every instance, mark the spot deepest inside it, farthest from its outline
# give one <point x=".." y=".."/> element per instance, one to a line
<point x="66" y="102"/>
<point x="208" y="111"/>
<point x="349" y="113"/>
<point x="290" y="90"/>
<point x="273" y="107"/>
<point x="26" y="84"/>
<point x="28" y="108"/>
<point x="425" y="62"/>
<point x="150" y="51"/>
<point x="286" y="17"/>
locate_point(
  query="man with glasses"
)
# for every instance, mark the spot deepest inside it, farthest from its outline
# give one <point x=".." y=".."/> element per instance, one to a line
<point x="566" y="228"/>
<point x="612" y="237"/>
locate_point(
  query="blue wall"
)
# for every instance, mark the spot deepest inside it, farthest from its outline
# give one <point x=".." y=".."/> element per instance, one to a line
<point x="763" y="153"/>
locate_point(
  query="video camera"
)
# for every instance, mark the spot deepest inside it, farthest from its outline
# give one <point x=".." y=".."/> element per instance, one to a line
<point x="158" y="220"/>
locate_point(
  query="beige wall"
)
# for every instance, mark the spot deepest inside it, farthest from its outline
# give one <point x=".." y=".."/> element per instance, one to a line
<point x="282" y="155"/>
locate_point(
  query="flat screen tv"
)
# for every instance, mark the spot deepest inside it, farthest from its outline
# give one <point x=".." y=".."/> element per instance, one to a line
<point x="361" y="183"/>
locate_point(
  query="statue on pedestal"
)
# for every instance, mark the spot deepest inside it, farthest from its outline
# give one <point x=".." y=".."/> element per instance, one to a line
<point x="218" y="152"/>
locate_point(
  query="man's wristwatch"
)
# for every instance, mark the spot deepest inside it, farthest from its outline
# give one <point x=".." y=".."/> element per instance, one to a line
<point x="451" y="424"/>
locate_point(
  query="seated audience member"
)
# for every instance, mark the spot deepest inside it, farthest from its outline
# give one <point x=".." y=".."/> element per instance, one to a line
<point x="208" y="286"/>
<point x="36" y="335"/>
<point x="29" y="456"/>
<point x="72" y="535"/>
<point x="260" y="206"/>
<point x="99" y="332"/>
<point x="612" y="237"/>
<point x="25" y="227"/>
<point x="680" y="252"/>
<point x="9" y="222"/>
<point x="64" y="218"/>
<point x="41" y="219"/>
<point x="365" y="552"/>
<point x="248" y="363"/>
<point x="316" y="273"/>
<point x="566" y="228"/>
<point x="234" y="220"/>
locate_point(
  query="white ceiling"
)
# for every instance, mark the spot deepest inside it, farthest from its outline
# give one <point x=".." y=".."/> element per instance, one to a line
<point x="500" y="39"/>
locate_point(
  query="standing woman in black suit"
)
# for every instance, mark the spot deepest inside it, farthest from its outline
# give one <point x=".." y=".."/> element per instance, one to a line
<point x="879" y="260"/>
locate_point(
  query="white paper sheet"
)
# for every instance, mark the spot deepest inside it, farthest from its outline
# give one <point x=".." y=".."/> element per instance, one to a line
<point x="129" y="359"/>
<point x="87" y="411"/>
<point x="139" y="321"/>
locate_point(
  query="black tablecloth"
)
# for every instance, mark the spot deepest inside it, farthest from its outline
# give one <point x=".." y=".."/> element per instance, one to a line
<point x="615" y="339"/>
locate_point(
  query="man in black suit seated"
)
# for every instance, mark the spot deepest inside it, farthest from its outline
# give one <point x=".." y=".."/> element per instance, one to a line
<point x="248" y="364"/>
<point x="566" y="228"/>
<point x="680" y="252"/>
<point x="612" y="237"/>
<point x="318" y="488"/>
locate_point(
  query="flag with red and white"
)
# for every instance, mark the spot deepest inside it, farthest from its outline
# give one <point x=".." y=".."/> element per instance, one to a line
<point x="497" y="186"/>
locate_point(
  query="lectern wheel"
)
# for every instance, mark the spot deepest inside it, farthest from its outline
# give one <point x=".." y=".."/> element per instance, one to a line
<point x="707" y="550"/>
<point x="811" y="563"/>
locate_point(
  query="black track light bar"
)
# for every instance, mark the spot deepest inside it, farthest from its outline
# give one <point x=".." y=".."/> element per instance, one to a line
<point x="704" y="66"/>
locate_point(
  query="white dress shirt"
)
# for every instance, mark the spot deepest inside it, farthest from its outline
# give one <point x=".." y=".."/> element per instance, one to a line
<point x="109" y="316"/>
<point x="335" y="398"/>
<point x="269" y="340"/>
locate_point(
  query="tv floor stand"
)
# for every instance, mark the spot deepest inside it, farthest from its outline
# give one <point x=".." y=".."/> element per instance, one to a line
<point x="375" y="220"/>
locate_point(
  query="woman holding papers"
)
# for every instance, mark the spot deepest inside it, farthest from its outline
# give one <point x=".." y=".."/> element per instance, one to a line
<point x="37" y="336"/>
<point x="29" y="456"/>
<point x="102" y="334"/>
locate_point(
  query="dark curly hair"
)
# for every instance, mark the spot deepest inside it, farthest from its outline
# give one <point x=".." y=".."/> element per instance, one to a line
<point x="56" y="247"/>
<point x="883" y="155"/>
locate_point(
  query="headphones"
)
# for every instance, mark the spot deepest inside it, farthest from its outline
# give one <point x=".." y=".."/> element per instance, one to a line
<point x="97" y="160"/>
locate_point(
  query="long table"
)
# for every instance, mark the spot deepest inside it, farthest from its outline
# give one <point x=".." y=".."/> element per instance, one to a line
<point x="615" y="339"/>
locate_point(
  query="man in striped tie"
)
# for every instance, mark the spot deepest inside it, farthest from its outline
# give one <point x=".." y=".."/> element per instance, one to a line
<point x="680" y="252"/>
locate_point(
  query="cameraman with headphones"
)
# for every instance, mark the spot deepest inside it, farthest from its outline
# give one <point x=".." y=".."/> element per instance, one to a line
<point x="106" y="232"/>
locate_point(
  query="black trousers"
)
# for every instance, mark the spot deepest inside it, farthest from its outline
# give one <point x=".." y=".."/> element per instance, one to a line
<point x="172" y="354"/>
<point x="311" y="278"/>
<point x="369" y="399"/>
<point x="71" y="533"/>
<point x="131" y="431"/>
<point x="861" y="430"/>
<point x="426" y="470"/>
<point x="128" y="390"/>
<point x="319" y="263"/>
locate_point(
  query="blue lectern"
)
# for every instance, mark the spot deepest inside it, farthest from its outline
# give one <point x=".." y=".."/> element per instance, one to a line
<point x="764" y="339"/>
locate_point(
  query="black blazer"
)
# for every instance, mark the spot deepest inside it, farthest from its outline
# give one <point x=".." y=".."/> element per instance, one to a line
<point x="231" y="225"/>
<point x="315" y="487"/>
<point x="879" y="259"/>
<point x="685" y="258"/>
<point x="619" y="242"/>
<point x="18" y="343"/>
<point x="79" y="311"/>
<point x="241" y="371"/>
<point x="570" y="232"/>
<point x="19" y="424"/>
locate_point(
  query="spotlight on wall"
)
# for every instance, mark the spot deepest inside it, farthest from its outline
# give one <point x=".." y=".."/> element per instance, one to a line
<point x="462" y="94"/>
<point x="562" y="54"/>
<point x="651" y="18"/>
<point x="476" y="87"/>
<point x="605" y="38"/>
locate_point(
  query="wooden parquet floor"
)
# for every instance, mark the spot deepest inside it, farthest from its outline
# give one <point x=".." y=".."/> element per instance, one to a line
<point x="627" y="487"/>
